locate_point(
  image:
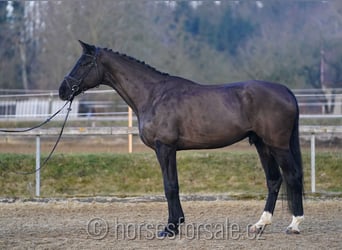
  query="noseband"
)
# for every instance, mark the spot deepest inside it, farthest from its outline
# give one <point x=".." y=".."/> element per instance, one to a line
<point x="74" y="84"/>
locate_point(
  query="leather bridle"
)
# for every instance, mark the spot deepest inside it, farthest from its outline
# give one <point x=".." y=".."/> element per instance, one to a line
<point x="75" y="84"/>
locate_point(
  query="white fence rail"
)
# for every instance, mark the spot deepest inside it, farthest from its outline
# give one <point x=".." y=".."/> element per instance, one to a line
<point x="33" y="108"/>
<point x="313" y="104"/>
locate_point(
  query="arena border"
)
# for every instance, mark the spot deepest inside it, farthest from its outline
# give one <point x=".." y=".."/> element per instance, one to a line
<point x="161" y="198"/>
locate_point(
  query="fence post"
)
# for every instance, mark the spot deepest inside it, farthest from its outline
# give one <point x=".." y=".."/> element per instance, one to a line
<point x="130" y="135"/>
<point x="313" y="163"/>
<point x="37" y="165"/>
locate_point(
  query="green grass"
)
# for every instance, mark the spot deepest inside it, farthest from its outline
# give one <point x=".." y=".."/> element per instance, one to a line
<point x="320" y="122"/>
<point x="139" y="173"/>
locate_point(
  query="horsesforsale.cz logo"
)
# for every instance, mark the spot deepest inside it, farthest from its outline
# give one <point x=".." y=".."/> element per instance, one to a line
<point x="98" y="228"/>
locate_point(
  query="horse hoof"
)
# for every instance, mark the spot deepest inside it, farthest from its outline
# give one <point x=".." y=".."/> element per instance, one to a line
<point x="257" y="230"/>
<point x="168" y="233"/>
<point x="164" y="234"/>
<point x="289" y="230"/>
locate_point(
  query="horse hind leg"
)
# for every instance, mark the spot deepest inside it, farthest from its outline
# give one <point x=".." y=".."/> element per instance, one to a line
<point x="293" y="176"/>
<point x="274" y="180"/>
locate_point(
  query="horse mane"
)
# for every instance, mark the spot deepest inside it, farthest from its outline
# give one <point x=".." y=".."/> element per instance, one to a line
<point x="135" y="60"/>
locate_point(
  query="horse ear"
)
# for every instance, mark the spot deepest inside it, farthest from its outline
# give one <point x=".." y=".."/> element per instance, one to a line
<point x="87" y="49"/>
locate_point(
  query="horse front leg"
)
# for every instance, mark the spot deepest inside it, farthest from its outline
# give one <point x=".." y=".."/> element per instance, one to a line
<point x="166" y="155"/>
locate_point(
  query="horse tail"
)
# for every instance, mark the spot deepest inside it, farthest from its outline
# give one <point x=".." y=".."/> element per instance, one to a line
<point x="298" y="164"/>
<point x="295" y="145"/>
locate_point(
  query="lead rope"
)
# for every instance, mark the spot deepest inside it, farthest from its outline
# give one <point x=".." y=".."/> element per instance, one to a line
<point x="39" y="125"/>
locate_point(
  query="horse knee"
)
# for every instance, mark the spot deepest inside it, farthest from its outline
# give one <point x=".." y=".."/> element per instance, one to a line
<point x="274" y="185"/>
<point x="292" y="173"/>
<point x="294" y="180"/>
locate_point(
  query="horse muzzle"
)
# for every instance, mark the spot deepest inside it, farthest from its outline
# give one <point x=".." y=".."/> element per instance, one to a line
<point x="69" y="88"/>
<point x="66" y="92"/>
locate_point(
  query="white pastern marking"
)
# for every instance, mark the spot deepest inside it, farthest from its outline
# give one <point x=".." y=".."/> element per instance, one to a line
<point x="296" y="220"/>
<point x="265" y="219"/>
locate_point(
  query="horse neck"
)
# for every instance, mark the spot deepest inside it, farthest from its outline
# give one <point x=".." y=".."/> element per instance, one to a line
<point x="134" y="81"/>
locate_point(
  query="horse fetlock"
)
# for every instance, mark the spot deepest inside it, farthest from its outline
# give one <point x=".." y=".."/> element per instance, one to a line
<point x="176" y="222"/>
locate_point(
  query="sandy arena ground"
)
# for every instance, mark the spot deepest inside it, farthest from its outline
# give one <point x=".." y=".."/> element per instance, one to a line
<point x="132" y="224"/>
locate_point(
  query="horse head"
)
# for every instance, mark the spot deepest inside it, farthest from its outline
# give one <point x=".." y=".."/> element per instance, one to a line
<point x="85" y="74"/>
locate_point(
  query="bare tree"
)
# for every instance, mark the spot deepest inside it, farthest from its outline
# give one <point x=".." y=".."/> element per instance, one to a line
<point x="285" y="48"/>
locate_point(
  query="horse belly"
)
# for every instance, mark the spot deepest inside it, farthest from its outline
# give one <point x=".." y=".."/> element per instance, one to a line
<point x="215" y="135"/>
<point x="213" y="121"/>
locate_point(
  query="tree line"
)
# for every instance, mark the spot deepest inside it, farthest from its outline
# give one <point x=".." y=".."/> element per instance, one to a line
<point x="296" y="43"/>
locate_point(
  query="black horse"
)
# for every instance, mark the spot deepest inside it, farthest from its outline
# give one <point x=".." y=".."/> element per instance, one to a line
<point x="177" y="114"/>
